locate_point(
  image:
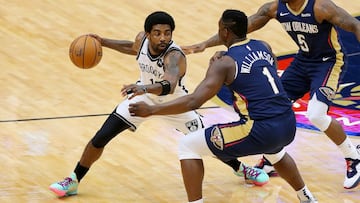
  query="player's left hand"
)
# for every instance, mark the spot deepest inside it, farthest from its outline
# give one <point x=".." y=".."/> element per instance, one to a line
<point x="141" y="109"/>
<point x="132" y="90"/>
<point x="216" y="56"/>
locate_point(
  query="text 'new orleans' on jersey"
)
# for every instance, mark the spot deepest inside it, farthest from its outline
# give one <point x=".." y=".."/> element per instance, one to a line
<point x="257" y="87"/>
<point x="316" y="41"/>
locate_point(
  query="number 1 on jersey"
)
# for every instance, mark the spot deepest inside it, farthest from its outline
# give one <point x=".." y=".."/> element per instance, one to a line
<point x="271" y="80"/>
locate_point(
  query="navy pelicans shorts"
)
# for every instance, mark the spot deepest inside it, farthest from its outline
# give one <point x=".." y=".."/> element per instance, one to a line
<point x="248" y="137"/>
<point x="320" y="77"/>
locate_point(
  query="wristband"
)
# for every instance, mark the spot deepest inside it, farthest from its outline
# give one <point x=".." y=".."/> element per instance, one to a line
<point x="165" y="84"/>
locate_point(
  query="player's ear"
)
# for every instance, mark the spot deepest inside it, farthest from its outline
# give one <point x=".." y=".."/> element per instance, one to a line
<point x="226" y="32"/>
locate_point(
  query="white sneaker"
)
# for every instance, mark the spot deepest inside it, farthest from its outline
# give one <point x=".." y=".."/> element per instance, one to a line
<point x="352" y="177"/>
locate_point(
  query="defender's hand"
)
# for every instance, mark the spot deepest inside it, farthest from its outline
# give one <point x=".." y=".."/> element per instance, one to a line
<point x="216" y="56"/>
<point x="140" y="109"/>
<point x="192" y="49"/>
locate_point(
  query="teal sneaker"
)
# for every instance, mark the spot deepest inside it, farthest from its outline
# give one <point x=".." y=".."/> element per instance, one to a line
<point x="253" y="175"/>
<point x="66" y="187"/>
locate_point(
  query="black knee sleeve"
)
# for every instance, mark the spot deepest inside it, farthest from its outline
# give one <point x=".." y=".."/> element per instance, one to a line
<point x="111" y="127"/>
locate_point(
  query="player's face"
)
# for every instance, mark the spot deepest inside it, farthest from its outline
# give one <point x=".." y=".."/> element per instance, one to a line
<point x="222" y="31"/>
<point x="159" y="37"/>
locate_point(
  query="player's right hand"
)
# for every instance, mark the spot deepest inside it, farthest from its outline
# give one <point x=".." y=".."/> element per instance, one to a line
<point x="141" y="109"/>
<point x="97" y="37"/>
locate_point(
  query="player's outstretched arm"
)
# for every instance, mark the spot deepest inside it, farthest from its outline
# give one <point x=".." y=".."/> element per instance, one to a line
<point x="327" y="10"/>
<point x="123" y="46"/>
<point x="200" y="47"/>
<point x="217" y="74"/>
<point x="264" y="14"/>
<point x="258" y="20"/>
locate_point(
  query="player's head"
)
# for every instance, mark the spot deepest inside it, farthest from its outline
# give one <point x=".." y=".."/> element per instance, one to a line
<point x="234" y="21"/>
<point x="159" y="17"/>
<point x="159" y="27"/>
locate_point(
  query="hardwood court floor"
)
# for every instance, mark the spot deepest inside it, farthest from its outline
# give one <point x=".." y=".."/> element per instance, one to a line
<point x="37" y="80"/>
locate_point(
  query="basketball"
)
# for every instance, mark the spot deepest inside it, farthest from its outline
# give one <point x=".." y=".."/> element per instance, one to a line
<point x="85" y="52"/>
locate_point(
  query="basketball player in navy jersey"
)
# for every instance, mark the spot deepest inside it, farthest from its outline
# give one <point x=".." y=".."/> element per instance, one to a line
<point x="267" y="121"/>
<point x="317" y="67"/>
<point x="162" y="74"/>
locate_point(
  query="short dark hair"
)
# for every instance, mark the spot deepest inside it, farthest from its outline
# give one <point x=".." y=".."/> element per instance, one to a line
<point x="236" y="21"/>
<point x="158" y="17"/>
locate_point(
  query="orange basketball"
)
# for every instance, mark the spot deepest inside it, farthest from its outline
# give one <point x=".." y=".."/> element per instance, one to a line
<point x="85" y="52"/>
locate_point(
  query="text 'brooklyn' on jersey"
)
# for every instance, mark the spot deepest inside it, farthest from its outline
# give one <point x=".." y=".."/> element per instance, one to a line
<point x="152" y="70"/>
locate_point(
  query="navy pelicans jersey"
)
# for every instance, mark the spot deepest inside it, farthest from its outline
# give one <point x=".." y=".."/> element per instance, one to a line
<point x="315" y="41"/>
<point x="257" y="88"/>
<point x="152" y="70"/>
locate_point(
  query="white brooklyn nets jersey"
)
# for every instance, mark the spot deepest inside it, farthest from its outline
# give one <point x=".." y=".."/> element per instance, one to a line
<point x="152" y="70"/>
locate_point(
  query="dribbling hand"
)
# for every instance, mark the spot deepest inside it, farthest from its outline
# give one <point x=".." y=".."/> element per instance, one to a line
<point x="96" y="37"/>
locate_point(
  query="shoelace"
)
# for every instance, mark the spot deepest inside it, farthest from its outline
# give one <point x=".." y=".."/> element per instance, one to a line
<point x="65" y="182"/>
<point x="251" y="172"/>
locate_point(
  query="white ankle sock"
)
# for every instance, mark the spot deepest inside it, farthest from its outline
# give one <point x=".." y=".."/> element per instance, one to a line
<point x="198" y="201"/>
<point x="348" y="149"/>
<point x="305" y="194"/>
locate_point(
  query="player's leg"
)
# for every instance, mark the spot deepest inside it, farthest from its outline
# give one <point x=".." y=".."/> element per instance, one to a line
<point x="225" y="99"/>
<point x="287" y="169"/>
<point x="228" y="145"/>
<point x="322" y="92"/>
<point x="193" y="174"/>
<point x="190" y="150"/>
<point x="317" y="114"/>
<point x="284" y="129"/>
<point x="118" y="121"/>
<point x="191" y="121"/>
<point x="247" y="138"/>
<point x="296" y="84"/>
<point x="92" y="152"/>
